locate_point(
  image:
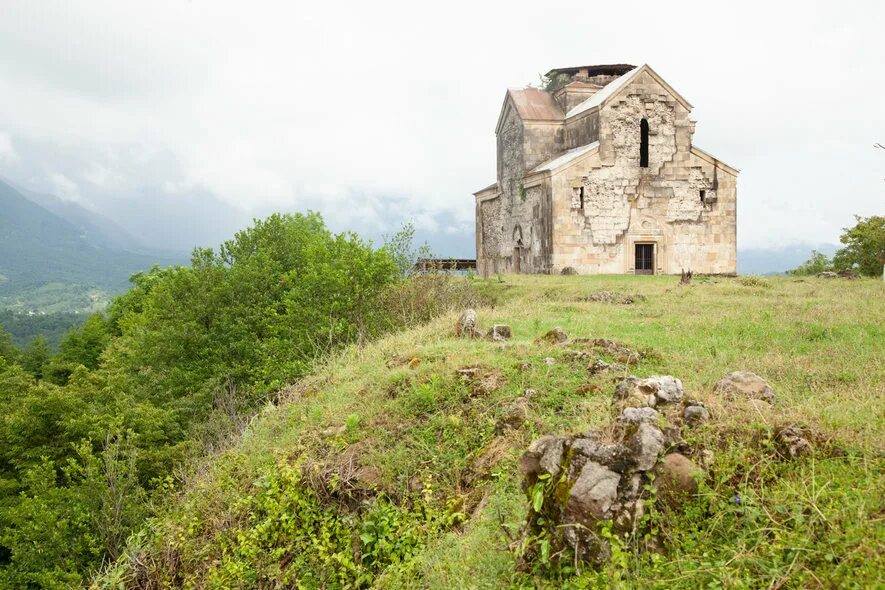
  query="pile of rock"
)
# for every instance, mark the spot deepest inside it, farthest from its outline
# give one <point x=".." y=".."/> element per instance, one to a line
<point x="843" y="274"/>
<point x="467" y="327"/>
<point x="612" y="297"/>
<point x="581" y="485"/>
<point x="592" y="477"/>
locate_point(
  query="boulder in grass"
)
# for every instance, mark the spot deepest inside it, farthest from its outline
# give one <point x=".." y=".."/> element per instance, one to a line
<point x="746" y="385"/>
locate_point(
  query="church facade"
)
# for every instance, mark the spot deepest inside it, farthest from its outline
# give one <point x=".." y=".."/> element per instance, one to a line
<point x="597" y="173"/>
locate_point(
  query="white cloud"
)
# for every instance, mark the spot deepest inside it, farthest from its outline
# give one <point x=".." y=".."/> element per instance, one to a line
<point x="8" y="154"/>
<point x="63" y="187"/>
<point x="376" y="112"/>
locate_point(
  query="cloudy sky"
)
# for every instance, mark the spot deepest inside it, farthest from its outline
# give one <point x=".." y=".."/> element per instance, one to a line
<point x="182" y="120"/>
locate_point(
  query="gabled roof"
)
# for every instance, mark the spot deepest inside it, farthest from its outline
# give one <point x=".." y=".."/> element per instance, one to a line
<point x="534" y="104"/>
<point x="612" y="88"/>
<point x="493" y="186"/>
<point x="565" y="158"/>
<point x="714" y="160"/>
<point x="531" y="104"/>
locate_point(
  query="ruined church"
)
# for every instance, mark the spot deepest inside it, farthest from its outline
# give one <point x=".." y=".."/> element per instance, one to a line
<point x="597" y="173"/>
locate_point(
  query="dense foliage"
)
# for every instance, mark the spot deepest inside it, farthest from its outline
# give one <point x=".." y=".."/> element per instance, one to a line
<point x="864" y="250"/>
<point x="864" y="246"/>
<point x="177" y="363"/>
<point x="24" y="327"/>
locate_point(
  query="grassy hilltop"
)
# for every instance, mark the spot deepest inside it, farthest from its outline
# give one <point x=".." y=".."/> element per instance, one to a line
<point x="386" y="468"/>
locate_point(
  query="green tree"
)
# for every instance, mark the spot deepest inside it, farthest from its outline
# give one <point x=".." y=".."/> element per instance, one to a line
<point x="818" y="262"/>
<point x="83" y="345"/>
<point x="864" y="246"/>
<point x="35" y="356"/>
<point x="8" y="351"/>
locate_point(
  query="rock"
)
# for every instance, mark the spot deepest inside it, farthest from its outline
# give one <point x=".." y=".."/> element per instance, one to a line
<point x="637" y="415"/>
<point x="499" y="333"/>
<point x="578" y="355"/>
<point x="593" y="494"/>
<point x="549" y="360"/>
<point x="468" y="373"/>
<point x="466" y="325"/>
<point x="612" y="297"/>
<point x="649" y="391"/>
<point x="629" y="394"/>
<point x="672" y="436"/>
<point x="630" y="515"/>
<point x="743" y="384"/>
<point x="667" y="389"/>
<point x="613" y="455"/>
<point x="543" y="456"/>
<point x="645" y="445"/>
<point x="695" y="414"/>
<point x="791" y="442"/>
<point x="676" y="478"/>
<point x="515" y="414"/>
<point x="569" y="270"/>
<point x="530" y="393"/>
<point x="828" y="274"/>
<point x="552" y="457"/>
<point x="554" y="336"/>
<point x="612" y="347"/>
<point x="600" y="365"/>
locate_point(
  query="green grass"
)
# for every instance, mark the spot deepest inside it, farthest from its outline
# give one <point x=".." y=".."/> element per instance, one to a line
<point x="445" y="489"/>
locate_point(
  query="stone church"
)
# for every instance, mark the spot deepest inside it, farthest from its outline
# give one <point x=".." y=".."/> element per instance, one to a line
<point x="597" y="173"/>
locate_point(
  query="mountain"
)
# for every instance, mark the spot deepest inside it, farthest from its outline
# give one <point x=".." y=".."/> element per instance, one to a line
<point x="48" y="263"/>
<point x="764" y="261"/>
<point x="93" y="226"/>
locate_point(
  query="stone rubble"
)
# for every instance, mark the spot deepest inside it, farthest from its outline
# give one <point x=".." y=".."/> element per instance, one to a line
<point x="594" y="479"/>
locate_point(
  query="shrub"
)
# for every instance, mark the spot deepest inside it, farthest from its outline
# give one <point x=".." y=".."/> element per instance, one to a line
<point x="819" y="262"/>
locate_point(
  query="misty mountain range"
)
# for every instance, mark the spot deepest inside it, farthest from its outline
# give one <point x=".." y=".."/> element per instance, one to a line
<point x="58" y="256"/>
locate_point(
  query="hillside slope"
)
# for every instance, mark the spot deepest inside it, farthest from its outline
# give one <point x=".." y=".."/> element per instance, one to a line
<point x="46" y="262"/>
<point x="394" y="467"/>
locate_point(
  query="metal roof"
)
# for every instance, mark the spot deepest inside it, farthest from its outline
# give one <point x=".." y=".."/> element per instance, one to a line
<point x="565" y="158"/>
<point x="534" y="104"/>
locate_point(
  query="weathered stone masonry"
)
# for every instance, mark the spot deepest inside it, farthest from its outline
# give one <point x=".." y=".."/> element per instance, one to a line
<point x="573" y="191"/>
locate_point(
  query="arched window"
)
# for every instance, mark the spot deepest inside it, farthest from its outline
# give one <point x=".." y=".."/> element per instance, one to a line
<point x="643" y="143"/>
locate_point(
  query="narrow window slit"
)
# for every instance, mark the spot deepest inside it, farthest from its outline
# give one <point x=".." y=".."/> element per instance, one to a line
<point x="643" y="143"/>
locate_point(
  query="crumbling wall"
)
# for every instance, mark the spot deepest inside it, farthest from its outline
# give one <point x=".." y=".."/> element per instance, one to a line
<point x="492" y="228"/>
<point x="516" y="225"/>
<point x="662" y="203"/>
<point x="511" y="164"/>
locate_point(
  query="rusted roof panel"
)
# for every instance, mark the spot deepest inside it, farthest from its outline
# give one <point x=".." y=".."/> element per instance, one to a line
<point x="534" y="104"/>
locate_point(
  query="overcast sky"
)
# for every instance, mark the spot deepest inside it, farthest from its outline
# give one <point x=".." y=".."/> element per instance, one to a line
<point x="182" y="120"/>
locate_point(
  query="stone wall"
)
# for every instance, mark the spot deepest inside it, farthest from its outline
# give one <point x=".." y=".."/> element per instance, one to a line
<point x="582" y="129"/>
<point x="625" y="204"/>
<point x="683" y="202"/>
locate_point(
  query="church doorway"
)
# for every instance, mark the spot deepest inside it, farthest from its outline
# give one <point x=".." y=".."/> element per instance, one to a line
<point x="645" y="259"/>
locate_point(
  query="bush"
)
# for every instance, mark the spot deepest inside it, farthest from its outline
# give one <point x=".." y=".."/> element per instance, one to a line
<point x="818" y="263"/>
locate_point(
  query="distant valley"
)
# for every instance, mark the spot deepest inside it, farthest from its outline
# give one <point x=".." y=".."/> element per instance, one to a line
<point x="56" y="256"/>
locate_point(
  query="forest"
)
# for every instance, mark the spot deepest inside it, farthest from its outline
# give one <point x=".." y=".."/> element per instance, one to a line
<point x="92" y="434"/>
